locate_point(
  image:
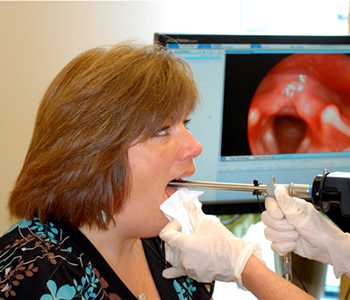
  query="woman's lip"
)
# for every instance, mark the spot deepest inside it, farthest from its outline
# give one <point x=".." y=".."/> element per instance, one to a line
<point x="170" y="191"/>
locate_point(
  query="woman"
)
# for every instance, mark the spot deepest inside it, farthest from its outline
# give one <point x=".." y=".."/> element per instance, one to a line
<point x="109" y="135"/>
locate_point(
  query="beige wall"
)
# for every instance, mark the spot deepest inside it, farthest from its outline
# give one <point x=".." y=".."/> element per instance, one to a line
<point x="38" y="38"/>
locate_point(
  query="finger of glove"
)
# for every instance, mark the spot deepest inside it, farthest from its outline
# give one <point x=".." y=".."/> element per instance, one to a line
<point x="283" y="248"/>
<point x="201" y="223"/>
<point x="273" y="208"/>
<point x="194" y="214"/>
<point x="169" y="254"/>
<point x="170" y="273"/>
<point x="171" y="231"/>
<point x="296" y="210"/>
<point x="285" y="201"/>
<point x="281" y="225"/>
<point x="280" y="237"/>
<point x="197" y="216"/>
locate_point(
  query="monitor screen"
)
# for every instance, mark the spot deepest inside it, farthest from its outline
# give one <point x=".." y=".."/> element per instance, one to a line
<point x="271" y="106"/>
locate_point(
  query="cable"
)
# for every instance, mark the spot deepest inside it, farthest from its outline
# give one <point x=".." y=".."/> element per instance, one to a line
<point x="229" y="221"/>
<point x="296" y="273"/>
<point x="257" y="193"/>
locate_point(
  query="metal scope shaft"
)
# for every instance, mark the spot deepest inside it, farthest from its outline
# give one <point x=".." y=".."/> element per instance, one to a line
<point x="296" y="190"/>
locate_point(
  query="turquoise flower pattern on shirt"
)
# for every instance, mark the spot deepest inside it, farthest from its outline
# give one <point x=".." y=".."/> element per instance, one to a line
<point x="53" y="261"/>
<point x="186" y="290"/>
<point x="65" y="292"/>
<point x="84" y="289"/>
<point x="47" y="244"/>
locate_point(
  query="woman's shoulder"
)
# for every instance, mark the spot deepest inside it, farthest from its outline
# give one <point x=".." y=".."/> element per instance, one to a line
<point x="39" y="259"/>
<point x="28" y="236"/>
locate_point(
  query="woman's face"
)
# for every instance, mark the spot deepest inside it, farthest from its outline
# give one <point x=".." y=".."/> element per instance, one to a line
<point x="166" y="156"/>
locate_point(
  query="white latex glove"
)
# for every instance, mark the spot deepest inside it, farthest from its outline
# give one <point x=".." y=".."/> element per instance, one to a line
<point x="295" y="225"/>
<point x="210" y="253"/>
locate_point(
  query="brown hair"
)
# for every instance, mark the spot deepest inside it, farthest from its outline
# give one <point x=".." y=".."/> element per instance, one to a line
<point x="76" y="168"/>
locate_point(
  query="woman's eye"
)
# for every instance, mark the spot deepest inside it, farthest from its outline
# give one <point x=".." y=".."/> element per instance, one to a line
<point x="162" y="132"/>
<point x="165" y="130"/>
<point x="187" y="122"/>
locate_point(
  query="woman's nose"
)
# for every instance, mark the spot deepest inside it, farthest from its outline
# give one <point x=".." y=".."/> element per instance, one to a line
<point x="192" y="148"/>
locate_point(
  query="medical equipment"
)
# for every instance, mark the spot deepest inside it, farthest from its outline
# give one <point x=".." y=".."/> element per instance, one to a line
<point x="326" y="189"/>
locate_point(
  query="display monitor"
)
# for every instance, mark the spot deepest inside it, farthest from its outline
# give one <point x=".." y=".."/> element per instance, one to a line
<point x="271" y="106"/>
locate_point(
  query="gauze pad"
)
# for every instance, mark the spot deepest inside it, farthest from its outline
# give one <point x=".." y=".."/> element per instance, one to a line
<point x="174" y="208"/>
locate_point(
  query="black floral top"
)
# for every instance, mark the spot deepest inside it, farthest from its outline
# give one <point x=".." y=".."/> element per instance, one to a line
<point x="53" y="261"/>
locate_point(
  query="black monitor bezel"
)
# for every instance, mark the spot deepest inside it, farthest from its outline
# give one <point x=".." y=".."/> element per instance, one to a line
<point x="169" y="38"/>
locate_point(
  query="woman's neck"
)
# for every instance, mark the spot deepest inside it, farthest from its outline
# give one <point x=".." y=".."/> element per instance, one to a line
<point x="125" y="256"/>
<point x="113" y="245"/>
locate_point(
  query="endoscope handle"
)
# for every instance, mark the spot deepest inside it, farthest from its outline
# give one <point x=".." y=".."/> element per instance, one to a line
<point x="287" y="258"/>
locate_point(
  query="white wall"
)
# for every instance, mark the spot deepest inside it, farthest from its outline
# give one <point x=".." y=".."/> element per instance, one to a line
<point x="38" y="38"/>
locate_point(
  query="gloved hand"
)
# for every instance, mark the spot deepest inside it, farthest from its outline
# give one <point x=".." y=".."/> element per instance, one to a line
<point x="210" y="253"/>
<point x="295" y="225"/>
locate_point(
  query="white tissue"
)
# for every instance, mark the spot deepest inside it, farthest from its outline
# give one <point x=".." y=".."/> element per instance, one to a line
<point x="173" y="207"/>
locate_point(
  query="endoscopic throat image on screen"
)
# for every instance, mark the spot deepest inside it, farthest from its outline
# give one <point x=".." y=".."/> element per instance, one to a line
<point x="302" y="105"/>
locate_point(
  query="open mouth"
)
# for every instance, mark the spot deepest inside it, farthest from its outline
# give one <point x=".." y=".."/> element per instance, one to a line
<point x="170" y="190"/>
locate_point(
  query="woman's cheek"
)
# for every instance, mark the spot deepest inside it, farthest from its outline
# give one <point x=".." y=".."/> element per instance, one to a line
<point x="302" y="105"/>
